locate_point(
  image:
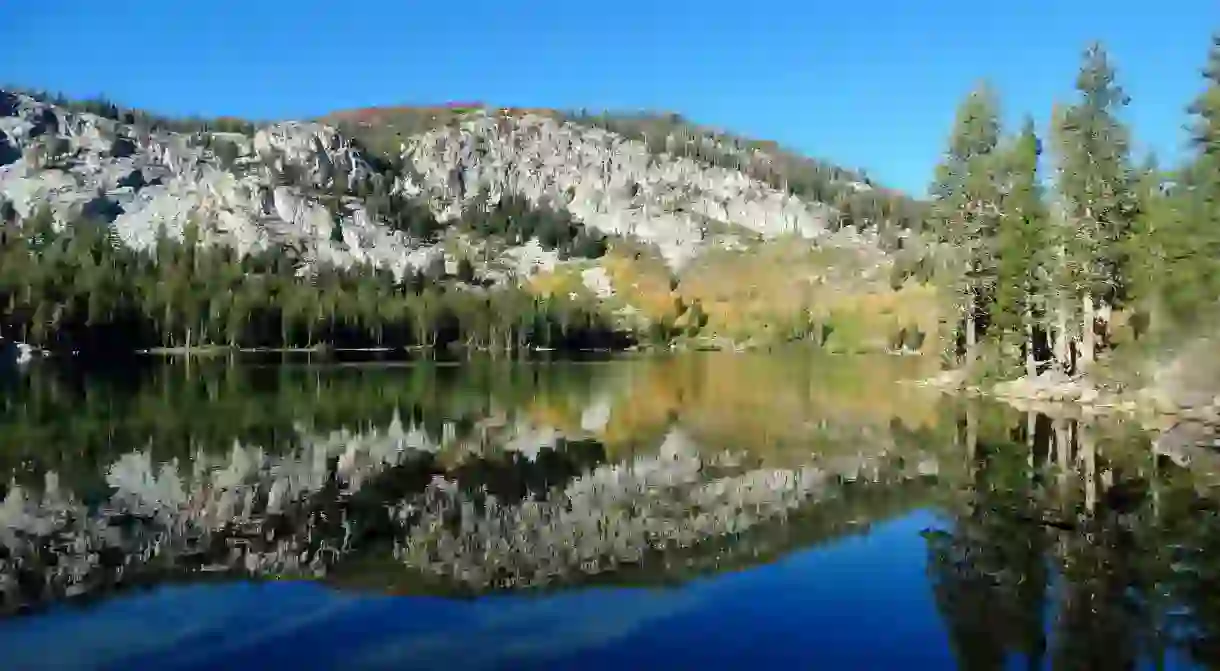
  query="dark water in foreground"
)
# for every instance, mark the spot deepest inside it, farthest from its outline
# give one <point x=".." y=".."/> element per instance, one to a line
<point x="695" y="512"/>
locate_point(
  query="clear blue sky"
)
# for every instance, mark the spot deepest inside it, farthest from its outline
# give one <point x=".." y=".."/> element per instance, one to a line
<point x="869" y="85"/>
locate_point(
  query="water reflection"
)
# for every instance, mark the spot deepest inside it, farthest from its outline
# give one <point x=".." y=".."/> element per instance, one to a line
<point x="1074" y="546"/>
<point x="485" y="476"/>
<point x="1041" y="543"/>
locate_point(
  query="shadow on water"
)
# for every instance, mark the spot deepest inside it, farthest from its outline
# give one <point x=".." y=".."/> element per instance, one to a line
<point x="1017" y="539"/>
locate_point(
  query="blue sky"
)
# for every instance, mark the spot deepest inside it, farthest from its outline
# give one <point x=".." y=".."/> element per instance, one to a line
<point x="870" y="85"/>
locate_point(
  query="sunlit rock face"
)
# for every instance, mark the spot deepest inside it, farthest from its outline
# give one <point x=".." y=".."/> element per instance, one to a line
<point x="604" y="180"/>
<point x="274" y="189"/>
<point x="251" y="193"/>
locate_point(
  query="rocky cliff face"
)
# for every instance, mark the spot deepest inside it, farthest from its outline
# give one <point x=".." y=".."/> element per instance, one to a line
<point x="289" y="185"/>
<point x="603" y="179"/>
<point x="251" y="193"/>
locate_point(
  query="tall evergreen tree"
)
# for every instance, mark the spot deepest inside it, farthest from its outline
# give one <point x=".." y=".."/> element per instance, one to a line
<point x="965" y="205"/>
<point x="1194" y="213"/>
<point x="1023" y="247"/>
<point x="1205" y="132"/>
<point x="1150" y="247"/>
<point x="1096" y="186"/>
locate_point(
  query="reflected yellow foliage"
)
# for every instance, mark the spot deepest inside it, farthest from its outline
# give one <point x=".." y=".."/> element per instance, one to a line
<point x="557" y="415"/>
<point x="757" y="403"/>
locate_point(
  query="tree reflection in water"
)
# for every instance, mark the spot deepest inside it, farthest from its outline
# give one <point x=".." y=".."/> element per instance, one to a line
<point x="1078" y="548"/>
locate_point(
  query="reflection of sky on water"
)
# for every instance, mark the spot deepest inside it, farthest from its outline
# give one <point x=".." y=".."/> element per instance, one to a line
<point x="863" y="601"/>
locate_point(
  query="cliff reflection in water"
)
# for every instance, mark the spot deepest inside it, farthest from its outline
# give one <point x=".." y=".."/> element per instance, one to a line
<point x="1061" y="544"/>
<point x="428" y="477"/>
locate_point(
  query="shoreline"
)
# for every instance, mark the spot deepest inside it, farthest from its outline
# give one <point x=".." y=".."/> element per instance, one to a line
<point x="325" y="350"/>
<point x="1077" y="397"/>
<point x="1184" y="434"/>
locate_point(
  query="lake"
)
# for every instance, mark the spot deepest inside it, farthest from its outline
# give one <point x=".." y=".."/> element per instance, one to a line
<point x="688" y="511"/>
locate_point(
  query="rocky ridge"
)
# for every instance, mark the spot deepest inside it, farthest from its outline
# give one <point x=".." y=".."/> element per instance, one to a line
<point x="250" y="193"/>
<point x="606" y="181"/>
<point x="289" y="185"/>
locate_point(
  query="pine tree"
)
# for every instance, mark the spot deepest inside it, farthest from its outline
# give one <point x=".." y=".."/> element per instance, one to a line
<point x="1205" y="132"/>
<point x="1096" y="186"/>
<point x="1149" y="248"/>
<point x="1022" y="246"/>
<point x="1193" y="215"/>
<point x="965" y="205"/>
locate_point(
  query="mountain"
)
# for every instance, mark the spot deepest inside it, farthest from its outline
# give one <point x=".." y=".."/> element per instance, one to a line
<point x="616" y="210"/>
<point x="664" y="137"/>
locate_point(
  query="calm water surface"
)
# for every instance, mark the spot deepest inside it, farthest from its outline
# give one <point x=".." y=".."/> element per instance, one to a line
<point x="707" y="511"/>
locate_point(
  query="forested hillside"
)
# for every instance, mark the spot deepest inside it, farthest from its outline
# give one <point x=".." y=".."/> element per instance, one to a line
<point x="509" y="228"/>
<point x="478" y="228"/>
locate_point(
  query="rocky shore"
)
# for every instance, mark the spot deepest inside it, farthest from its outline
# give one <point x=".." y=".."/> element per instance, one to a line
<point x="1184" y="420"/>
<point x="1056" y="393"/>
